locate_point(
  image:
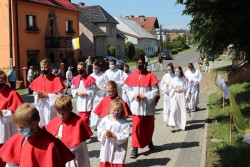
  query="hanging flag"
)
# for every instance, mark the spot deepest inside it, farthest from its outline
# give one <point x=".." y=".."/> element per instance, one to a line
<point x="76" y="43"/>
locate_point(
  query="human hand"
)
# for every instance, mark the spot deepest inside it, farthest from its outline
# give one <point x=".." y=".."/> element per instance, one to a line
<point x="42" y="95"/>
<point x="82" y="94"/>
<point x="191" y="81"/>
<point x="137" y="96"/>
<point x="107" y="134"/>
<point x="142" y="97"/>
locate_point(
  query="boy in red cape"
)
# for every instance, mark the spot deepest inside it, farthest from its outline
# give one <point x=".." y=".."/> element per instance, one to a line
<point x="33" y="146"/>
<point x="142" y="90"/>
<point x="83" y="89"/>
<point x="102" y="109"/>
<point x="9" y="101"/>
<point x="71" y="130"/>
<point x="46" y="88"/>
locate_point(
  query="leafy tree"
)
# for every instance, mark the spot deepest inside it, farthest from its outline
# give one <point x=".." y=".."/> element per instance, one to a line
<point x="218" y="23"/>
<point x="130" y="50"/>
<point x="112" y="51"/>
<point x="140" y="51"/>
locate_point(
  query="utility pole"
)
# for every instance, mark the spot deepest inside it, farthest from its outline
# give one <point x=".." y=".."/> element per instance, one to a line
<point x="10" y="33"/>
<point x="161" y="38"/>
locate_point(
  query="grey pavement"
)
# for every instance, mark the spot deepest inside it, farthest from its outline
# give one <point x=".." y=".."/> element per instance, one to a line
<point x="180" y="149"/>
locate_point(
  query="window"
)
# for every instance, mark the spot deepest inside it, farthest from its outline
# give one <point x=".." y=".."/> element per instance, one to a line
<point x="69" y="26"/>
<point x="32" y="58"/>
<point x="31" y="22"/>
<point x="111" y="31"/>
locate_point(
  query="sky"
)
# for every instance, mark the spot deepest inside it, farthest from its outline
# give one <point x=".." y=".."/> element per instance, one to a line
<point x="168" y="13"/>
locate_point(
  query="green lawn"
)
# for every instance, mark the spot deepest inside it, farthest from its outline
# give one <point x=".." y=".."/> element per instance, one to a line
<point x="219" y="150"/>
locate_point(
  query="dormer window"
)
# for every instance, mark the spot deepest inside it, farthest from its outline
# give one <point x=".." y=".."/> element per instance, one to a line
<point x="69" y="26"/>
<point x="111" y="31"/>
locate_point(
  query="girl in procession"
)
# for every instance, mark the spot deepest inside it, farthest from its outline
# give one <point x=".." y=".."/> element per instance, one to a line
<point x="165" y="85"/>
<point x="113" y="133"/>
<point x="178" y="96"/>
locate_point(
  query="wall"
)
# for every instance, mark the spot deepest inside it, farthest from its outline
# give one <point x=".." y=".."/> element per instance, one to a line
<point x="86" y="41"/>
<point x="240" y="74"/>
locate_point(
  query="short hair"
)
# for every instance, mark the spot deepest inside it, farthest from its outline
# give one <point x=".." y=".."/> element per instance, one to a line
<point x="45" y="61"/>
<point x="190" y="65"/>
<point x="96" y="64"/>
<point x="63" y="102"/>
<point x="112" y="60"/>
<point x="118" y="103"/>
<point x="126" y="65"/>
<point x="81" y="63"/>
<point x="140" y="57"/>
<point x="111" y="84"/>
<point x="3" y="75"/>
<point x="26" y="113"/>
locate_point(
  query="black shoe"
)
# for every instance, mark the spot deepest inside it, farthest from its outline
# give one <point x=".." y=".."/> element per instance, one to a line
<point x="134" y="153"/>
<point x="151" y="146"/>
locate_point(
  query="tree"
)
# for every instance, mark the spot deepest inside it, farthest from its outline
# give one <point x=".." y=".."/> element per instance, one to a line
<point x="112" y="51"/>
<point x="218" y="23"/>
<point x="130" y="50"/>
<point x="140" y="51"/>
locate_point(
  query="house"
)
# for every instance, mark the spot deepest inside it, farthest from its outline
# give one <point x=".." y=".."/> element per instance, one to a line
<point x="136" y="34"/>
<point x="98" y="32"/>
<point x="38" y="29"/>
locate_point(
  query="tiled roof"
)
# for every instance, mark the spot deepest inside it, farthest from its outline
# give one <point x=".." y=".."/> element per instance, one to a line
<point x="97" y="14"/>
<point x="63" y="4"/>
<point x="148" y="23"/>
<point x="131" y="27"/>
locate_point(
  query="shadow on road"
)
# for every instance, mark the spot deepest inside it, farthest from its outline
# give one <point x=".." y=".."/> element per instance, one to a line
<point x="149" y="162"/>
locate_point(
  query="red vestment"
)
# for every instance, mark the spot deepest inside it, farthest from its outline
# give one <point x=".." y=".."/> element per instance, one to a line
<point x="87" y="80"/>
<point x="102" y="109"/>
<point x="75" y="130"/>
<point x="142" y="126"/>
<point x="9" y="99"/>
<point x="40" y="149"/>
<point x="50" y="84"/>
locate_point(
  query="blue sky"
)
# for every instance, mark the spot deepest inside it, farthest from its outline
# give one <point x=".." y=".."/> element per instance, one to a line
<point x="168" y="13"/>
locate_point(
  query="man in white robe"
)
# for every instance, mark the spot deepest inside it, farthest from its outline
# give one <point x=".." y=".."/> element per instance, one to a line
<point x="194" y="78"/>
<point x="101" y="80"/>
<point x="127" y="72"/>
<point x="116" y="75"/>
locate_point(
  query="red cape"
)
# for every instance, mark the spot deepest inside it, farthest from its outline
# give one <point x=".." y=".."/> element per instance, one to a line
<point x="75" y="130"/>
<point x="9" y="99"/>
<point x="102" y="109"/>
<point x="147" y="79"/>
<point x="87" y="80"/>
<point x="50" y="84"/>
<point x="40" y="149"/>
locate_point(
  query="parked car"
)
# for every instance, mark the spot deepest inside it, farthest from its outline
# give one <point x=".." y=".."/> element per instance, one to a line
<point x="119" y="63"/>
<point x="166" y="54"/>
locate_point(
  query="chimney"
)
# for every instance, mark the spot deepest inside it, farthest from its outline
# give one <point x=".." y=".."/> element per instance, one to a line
<point x="132" y="16"/>
<point x="127" y="17"/>
<point x="81" y="4"/>
<point x="142" y="18"/>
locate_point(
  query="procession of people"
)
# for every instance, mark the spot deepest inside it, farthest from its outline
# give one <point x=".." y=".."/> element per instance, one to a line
<point x="49" y="129"/>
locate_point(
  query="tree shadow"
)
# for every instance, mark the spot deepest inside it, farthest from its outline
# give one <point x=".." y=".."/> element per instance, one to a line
<point x="93" y="139"/>
<point x="94" y="153"/>
<point x="200" y="109"/>
<point x="159" y="109"/>
<point x="149" y="162"/>
<point x="196" y="121"/>
<point x="194" y="126"/>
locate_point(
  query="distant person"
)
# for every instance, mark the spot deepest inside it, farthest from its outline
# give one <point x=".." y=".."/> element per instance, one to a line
<point x="30" y="77"/>
<point x="105" y="64"/>
<point x="200" y="63"/>
<point x="71" y="130"/>
<point x="146" y="61"/>
<point x="69" y="77"/>
<point x="88" y="65"/>
<point x="33" y="146"/>
<point x="12" y="77"/>
<point x="127" y="72"/>
<point x="9" y="101"/>
<point x="46" y="88"/>
<point x="160" y="62"/>
<point x="113" y="133"/>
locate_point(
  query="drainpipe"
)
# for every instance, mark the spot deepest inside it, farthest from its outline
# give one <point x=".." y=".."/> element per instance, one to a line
<point x="10" y="33"/>
<point x="18" y="48"/>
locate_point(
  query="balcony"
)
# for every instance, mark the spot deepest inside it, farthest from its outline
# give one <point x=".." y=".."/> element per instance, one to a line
<point x="58" y="42"/>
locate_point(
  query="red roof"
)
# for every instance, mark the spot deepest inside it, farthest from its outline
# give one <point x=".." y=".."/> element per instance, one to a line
<point x="148" y="23"/>
<point x="64" y="4"/>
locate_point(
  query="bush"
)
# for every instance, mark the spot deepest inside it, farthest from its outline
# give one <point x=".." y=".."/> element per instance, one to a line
<point x="130" y="50"/>
<point x="139" y="51"/>
<point x="179" y="49"/>
<point x="174" y="51"/>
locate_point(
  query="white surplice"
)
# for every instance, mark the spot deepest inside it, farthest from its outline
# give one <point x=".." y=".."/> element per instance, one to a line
<point x="124" y="89"/>
<point x="101" y="80"/>
<point x="177" y="117"/>
<point x="118" y="77"/>
<point x="196" y="76"/>
<point x="113" y="150"/>
<point x="164" y="85"/>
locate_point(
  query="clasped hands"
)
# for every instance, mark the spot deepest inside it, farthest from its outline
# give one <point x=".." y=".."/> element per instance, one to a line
<point x="82" y="94"/>
<point x="139" y="97"/>
<point x="42" y="95"/>
<point x="109" y="134"/>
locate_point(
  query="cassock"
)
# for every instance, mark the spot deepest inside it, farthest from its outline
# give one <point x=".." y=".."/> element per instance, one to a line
<point x="40" y="149"/>
<point x="113" y="150"/>
<point x="164" y="85"/>
<point x="144" y="110"/>
<point x="84" y="104"/>
<point x="117" y="76"/>
<point x="103" y="107"/>
<point x="196" y="76"/>
<point x="177" y="117"/>
<point x="101" y="80"/>
<point x="73" y="132"/>
<point x="9" y="101"/>
<point x="51" y="85"/>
